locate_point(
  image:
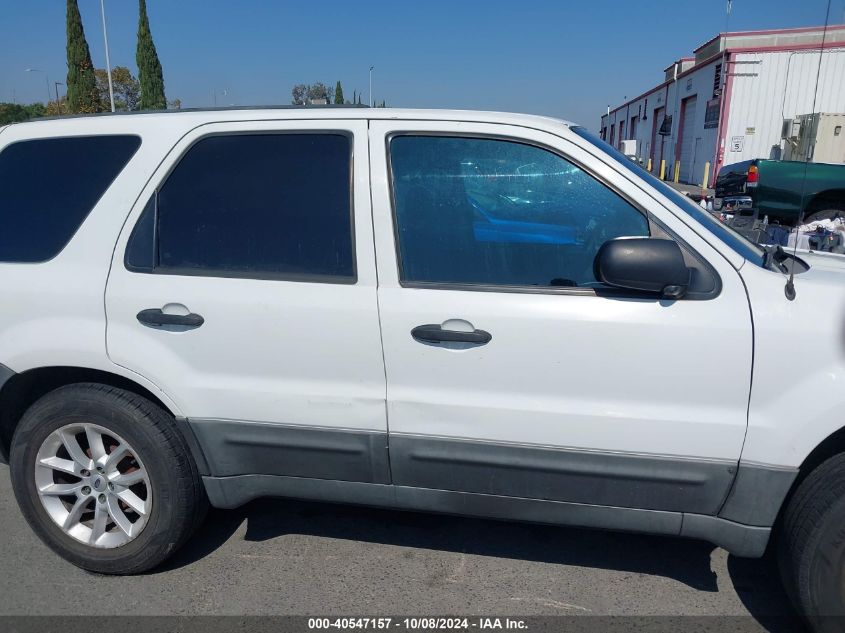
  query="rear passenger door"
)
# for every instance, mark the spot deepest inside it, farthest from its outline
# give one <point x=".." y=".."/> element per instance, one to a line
<point x="243" y="285"/>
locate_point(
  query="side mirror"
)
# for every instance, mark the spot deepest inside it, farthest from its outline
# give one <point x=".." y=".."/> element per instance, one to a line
<point x="646" y="264"/>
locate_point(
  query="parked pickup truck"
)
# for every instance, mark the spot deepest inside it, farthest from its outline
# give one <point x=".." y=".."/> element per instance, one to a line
<point x="775" y="188"/>
<point x="472" y="313"/>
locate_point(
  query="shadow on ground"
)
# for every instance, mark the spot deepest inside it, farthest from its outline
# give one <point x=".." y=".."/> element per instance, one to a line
<point x="757" y="583"/>
<point x="687" y="561"/>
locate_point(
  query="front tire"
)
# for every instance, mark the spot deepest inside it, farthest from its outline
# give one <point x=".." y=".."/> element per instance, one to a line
<point x="105" y="479"/>
<point x="812" y="546"/>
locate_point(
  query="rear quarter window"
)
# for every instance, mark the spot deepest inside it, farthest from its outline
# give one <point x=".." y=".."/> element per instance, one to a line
<point x="49" y="186"/>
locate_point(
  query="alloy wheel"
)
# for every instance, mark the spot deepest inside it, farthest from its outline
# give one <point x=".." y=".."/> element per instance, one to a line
<point x="93" y="485"/>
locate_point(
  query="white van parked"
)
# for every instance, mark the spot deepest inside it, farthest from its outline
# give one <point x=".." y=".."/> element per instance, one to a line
<point x="473" y="313"/>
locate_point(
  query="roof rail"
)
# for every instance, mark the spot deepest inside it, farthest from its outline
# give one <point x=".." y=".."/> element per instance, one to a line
<point x="212" y="109"/>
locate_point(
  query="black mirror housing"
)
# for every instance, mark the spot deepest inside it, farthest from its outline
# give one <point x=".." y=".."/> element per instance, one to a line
<point x="646" y="264"/>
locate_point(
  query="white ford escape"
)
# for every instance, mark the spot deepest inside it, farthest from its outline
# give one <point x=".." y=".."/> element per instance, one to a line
<point x="474" y="313"/>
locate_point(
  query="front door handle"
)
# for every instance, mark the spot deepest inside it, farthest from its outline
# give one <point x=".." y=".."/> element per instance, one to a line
<point x="434" y="333"/>
<point x="154" y="316"/>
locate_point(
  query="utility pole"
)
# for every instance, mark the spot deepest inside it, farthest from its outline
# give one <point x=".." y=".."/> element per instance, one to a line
<point x="58" y="103"/>
<point x="224" y="92"/>
<point x="371" y="86"/>
<point x="108" y="62"/>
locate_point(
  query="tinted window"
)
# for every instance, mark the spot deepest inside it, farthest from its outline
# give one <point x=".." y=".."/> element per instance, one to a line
<point x="140" y="251"/>
<point x="49" y="186"/>
<point x="485" y="211"/>
<point x="258" y="205"/>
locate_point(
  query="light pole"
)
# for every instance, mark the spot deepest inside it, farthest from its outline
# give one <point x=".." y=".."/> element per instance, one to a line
<point x="108" y="62"/>
<point x="58" y="103"/>
<point x="46" y="79"/>
<point x="224" y="92"/>
<point x="371" y="86"/>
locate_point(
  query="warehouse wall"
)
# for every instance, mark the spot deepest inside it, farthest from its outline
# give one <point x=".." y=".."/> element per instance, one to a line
<point x="642" y="107"/>
<point x="783" y="87"/>
<point x="698" y="84"/>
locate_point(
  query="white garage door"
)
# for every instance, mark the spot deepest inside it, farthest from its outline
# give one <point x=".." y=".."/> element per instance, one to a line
<point x="688" y="141"/>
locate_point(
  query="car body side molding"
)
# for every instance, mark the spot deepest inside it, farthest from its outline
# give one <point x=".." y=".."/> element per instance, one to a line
<point x="757" y="494"/>
<point x="233" y="447"/>
<point x="5" y="374"/>
<point x="245" y="460"/>
<point x="650" y="482"/>
<point x="740" y="540"/>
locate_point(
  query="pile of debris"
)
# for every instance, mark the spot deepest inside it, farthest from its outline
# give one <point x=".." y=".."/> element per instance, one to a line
<point x="823" y="235"/>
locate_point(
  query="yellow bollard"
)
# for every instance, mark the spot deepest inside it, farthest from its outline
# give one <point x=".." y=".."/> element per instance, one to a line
<point x="677" y="171"/>
<point x="662" y="169"/>
<point x="648" y="169"/>
<point x="706" y="175"/>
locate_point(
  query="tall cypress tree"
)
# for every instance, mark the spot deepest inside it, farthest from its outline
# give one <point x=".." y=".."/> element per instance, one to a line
<point x="82" y="95"/>
<point x="149" y="68"/>
<point x="338" y="94"/>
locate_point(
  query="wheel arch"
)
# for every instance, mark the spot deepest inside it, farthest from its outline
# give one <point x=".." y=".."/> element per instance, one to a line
<point x="22" y="389"/>
<point x="827" y="199"/>
<point x="832" y="445"/>
<point x="827" y="448"/>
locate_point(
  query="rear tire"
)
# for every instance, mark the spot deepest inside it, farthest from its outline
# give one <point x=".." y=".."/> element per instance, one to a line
<point x="155" y="474"/>
<point x="824" y="214"/>
<point x="812" y="546"/>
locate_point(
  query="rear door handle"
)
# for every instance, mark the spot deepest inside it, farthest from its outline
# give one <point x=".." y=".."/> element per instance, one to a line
<point x="434" y="333"/>
<point x="154" y="316"/>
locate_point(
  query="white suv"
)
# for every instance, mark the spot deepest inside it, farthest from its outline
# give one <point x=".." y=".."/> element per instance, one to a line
<point x="473" y="313"/>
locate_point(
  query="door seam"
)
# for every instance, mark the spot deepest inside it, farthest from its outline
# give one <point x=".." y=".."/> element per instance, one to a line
<point x="378" y="302"/>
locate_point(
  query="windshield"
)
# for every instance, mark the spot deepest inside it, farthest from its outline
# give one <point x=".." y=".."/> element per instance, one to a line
<point x="731" y="238"/>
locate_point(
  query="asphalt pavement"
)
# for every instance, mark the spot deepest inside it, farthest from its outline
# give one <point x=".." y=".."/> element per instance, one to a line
<point x="289" y="557"/>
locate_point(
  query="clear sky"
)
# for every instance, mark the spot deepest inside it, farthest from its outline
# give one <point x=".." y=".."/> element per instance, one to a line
<point x="556" y="57"/>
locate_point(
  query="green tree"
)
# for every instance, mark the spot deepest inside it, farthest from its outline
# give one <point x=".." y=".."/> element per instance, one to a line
<point x="35" y="110"/>
<point x="338" y="94"/>
<point x="299" y="94"/>
<point x="82" y="95"/>
<point x="149" y="67"/>
<point x="127" y="89"/>
<point x="16" y="113"/>
<point x="318" y="92"/>
<point x="57" y="108"/>
<point x="307" y="94"/>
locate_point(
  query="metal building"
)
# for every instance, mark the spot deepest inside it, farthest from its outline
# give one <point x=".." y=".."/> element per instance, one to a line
<point x="730" y="101"/>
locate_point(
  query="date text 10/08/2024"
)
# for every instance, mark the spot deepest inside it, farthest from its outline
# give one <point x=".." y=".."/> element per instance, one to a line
<point x="422" y="623"/>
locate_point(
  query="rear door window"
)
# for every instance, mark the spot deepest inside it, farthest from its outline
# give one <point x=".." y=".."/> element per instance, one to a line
<point x="49" y="186"/>
<point x="275" y="205"/>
